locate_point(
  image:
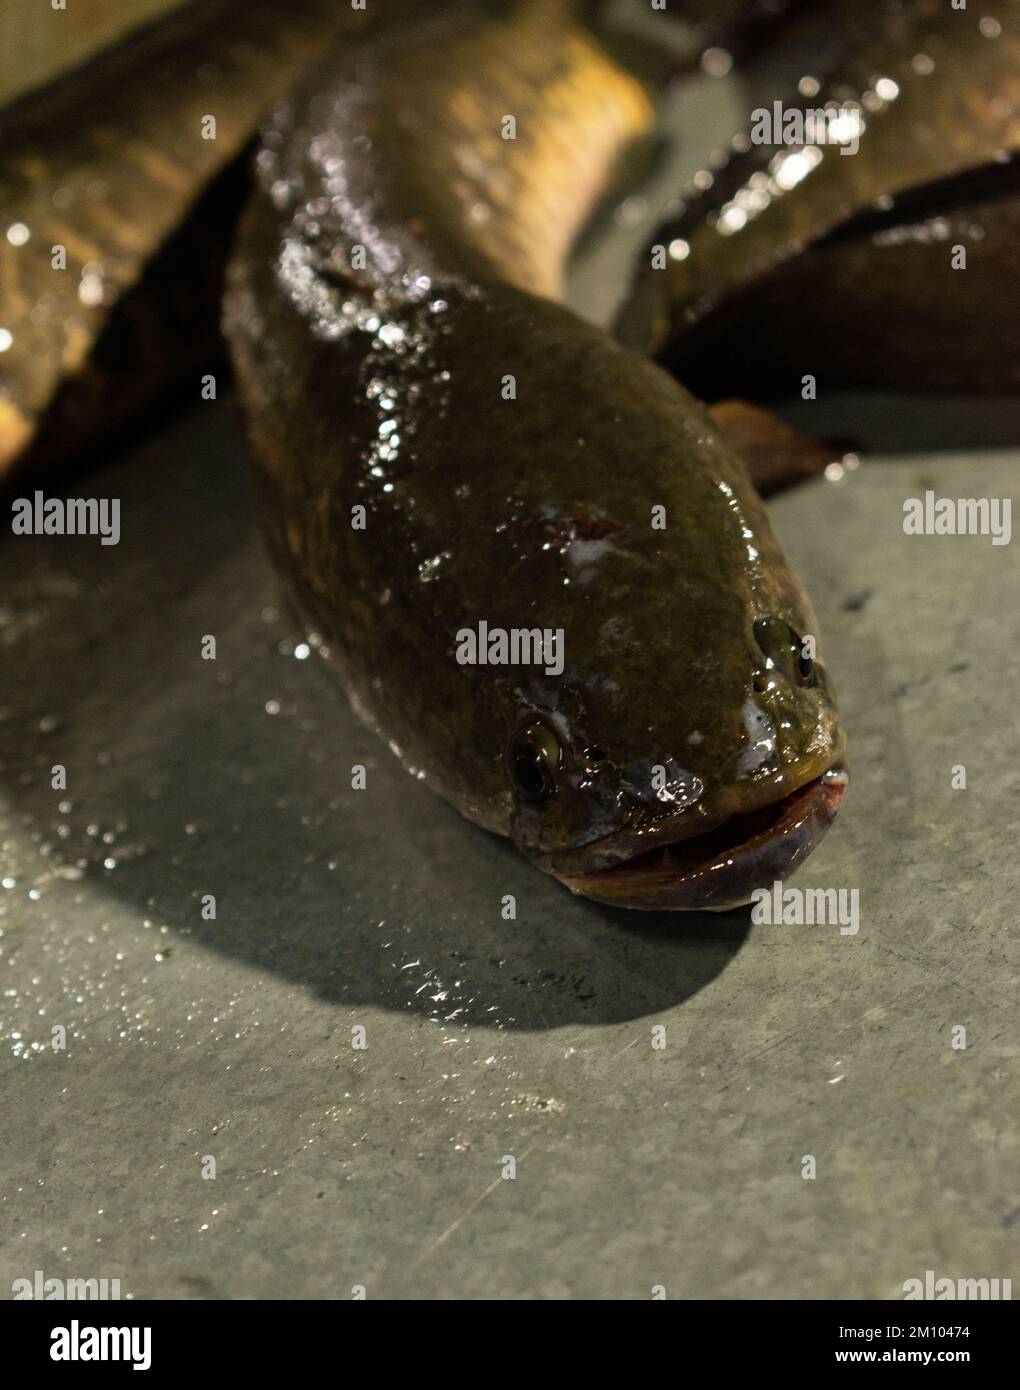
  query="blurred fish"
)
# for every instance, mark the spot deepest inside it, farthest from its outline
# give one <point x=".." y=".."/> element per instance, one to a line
<point x="813" y="259"/>
<point x="98" y="175"/>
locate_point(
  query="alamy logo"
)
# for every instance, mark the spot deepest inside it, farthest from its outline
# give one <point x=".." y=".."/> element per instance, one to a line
<point x="941" y="1289"/>
<point x="56" y="1288"/>
<point x="75" y="516"/>
<point x="959" y="516"/>
<point x="791" y="125"/>
<point x="826" y="907"/>
<point x="77" y="1343"/>
<point x="515" y="646"/>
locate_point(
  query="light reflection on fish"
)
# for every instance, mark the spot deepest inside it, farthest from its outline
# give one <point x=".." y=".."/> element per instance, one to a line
<point x="400" y="262"/>
<point x="782" y="261"/>
<point x="403" y="260"/>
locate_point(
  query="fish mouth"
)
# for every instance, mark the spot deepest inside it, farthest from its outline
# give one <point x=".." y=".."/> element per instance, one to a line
<point x="721" y="867"/>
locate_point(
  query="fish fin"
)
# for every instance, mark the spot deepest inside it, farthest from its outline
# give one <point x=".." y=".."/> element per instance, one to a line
<point x="775" y="454"/>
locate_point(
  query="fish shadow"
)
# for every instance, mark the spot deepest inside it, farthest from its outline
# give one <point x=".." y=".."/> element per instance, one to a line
<point x="198" y="785"/>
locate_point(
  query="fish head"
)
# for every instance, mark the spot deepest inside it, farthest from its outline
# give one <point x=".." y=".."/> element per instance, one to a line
<point x="689" y="751"/>
<point x="670" y="738"/>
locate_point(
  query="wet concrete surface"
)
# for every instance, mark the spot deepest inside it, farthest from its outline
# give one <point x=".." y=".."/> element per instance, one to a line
<point x="637" y="1165"/>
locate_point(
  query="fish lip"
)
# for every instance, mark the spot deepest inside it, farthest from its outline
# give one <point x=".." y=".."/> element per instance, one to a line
<point x="780" y="834"/>
<point x="698" y="819"/>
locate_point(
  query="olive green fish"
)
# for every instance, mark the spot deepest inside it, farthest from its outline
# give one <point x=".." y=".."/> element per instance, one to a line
<point x="544" y="577"/>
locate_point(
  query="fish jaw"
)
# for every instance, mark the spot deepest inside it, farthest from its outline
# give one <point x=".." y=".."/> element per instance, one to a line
<point x="721" y="868"/>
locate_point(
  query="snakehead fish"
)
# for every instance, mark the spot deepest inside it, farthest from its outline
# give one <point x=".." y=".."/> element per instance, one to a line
<point x="444" y="447"/>
<point x="117" y="198"/>
<point x="782" y="261"/>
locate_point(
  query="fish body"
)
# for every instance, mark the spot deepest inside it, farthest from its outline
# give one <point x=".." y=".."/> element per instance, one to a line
<point x="835" y="255"/>
<point x="913" y="299"/>
<point x="98" y="177"/>
<point x="443" y="445"/>
<point x="42" y="43"/>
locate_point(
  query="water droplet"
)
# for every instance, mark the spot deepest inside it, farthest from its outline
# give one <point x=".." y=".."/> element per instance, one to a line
<point x="716" y="62"/>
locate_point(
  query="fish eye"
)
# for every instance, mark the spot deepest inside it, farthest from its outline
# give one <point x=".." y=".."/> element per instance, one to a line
<point x="805" y="668"/>
<point x="783" y="648"/>
<point x="535" y="760"/>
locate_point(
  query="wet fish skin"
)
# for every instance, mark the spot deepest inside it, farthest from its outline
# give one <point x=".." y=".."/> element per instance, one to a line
<point x="108" y="164"/>
<point x="381" y="387"/>
<point x="952" y="105"/>
<point x="884" y="306"/>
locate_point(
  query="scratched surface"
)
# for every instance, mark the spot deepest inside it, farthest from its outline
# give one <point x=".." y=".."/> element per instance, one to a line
<point x="381" y="1167"/>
